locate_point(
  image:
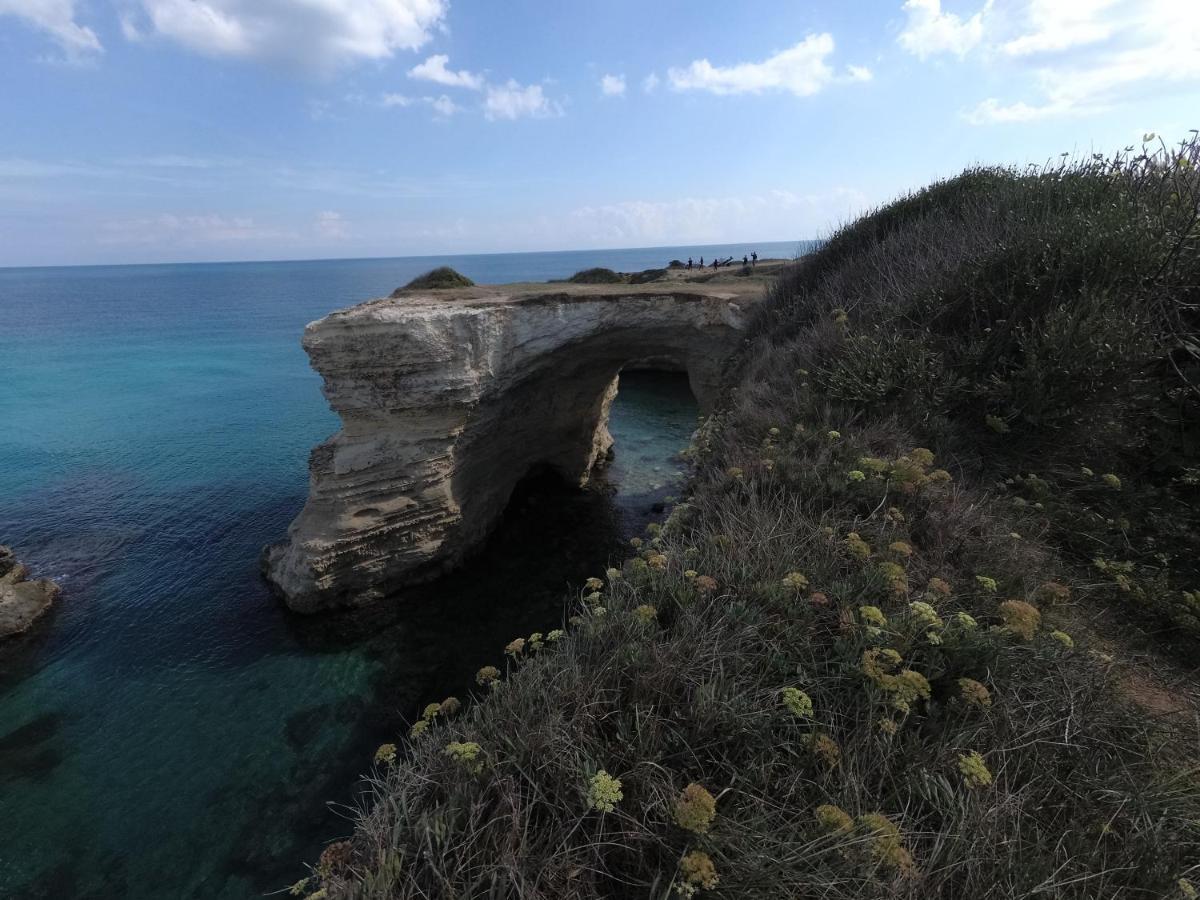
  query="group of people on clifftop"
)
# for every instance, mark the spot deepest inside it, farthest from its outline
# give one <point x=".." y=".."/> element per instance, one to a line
<point x="751" y="260"/>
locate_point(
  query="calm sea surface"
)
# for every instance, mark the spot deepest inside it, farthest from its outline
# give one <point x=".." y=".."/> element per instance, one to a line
<point x="170" y="730"/>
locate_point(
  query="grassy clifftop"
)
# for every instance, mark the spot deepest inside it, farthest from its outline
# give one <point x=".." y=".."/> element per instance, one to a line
<point x="863" y="657"/>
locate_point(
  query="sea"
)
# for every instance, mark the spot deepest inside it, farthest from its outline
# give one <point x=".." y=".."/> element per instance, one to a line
<point x="170" y="730"/>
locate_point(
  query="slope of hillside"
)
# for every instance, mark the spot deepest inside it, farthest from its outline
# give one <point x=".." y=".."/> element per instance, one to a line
<point x="861" y="658"/>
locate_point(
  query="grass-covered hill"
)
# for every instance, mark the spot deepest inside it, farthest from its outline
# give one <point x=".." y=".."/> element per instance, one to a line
<point x="878" y="650"/>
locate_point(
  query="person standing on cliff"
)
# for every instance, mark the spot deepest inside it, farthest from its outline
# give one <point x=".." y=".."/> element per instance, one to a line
<point x="702" y="262"/>
<point x="754" y="257"/>
<point x="689" y="263"/>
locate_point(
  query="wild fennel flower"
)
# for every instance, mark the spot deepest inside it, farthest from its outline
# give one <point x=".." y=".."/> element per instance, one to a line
<point x="705" y="584"/>
<point x="612" y="574"/>
<point x="895" y="576"/>
<point x="1111" y="480"/>
<point x="604" y="792"/>
<point x="431" y="710"/>
<point x="940" y="476"/>
<point x="1021" y="618"/>
<point x="695" y="808"/>
<point x="857" y="546"/>
<point x="965" y="620"/>
<point x="825" y="749"/>
<point x="924" y="616"/>
<point x="554" y="636"/>
<point x="973" y="693"/>
<point x="698" y="873"/>
<point x="795" y="581"/>
<point x="385" y="754"/>
<point x="689" y="574"/>
<point x="922" y="456"/>
<point x="833" y="435"/>
<point x="535" y="642"/>
<point x="939" y="586"/>
<point x="887" y="842"/>
<point x="418" y="728"/>
<point x="515" y="647"/>
<point x="888" y="726"/>
<point x="1086" y="472"/>
<point x="988" y="584"/>
<point x="974" y="770"/>
<point x="1186" y="889"/>
<point x="856" y="475"/>
<point x="298" y="889"/>
<point x="735" y="472"/>
<point x="466" y="754"/>
<point x="593" y="584"/>
<point x="1063" y="638"/>
<point x="873" y="464"/>
<point x="872" y="615"/>
<point x="798" y="703"/>
<point x="450" y="706"/>
<point x="832" y="819"/>
<point x="486" y="676"/>
<point x="657" y="561"/>
<point x="635" y="542"/>
<point x="645" y="614"/>
<point x="900" y="549"/>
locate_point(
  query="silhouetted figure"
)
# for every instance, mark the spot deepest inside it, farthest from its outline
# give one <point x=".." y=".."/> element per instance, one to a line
<point x="716" y="262"/>
<point x="754" y="257"/>
<point x="689" y="263"/>
<point x="702" y="262"/>
<point x="745" y="260"/>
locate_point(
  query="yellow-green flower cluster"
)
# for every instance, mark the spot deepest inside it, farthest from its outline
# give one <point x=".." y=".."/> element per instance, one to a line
<point x="905" y="687"/>
<point x="554" y="636"/>
<point x="857" y="546"/>
<point x="536" y="642"/>
<point x="604" y="792"/>
<point x="1062" y="638"/>
<point x="1111" y="480"/>
<point x="1021" y="618"/>
<point x="856" y="475"/>
<point x="924" y="616"/>
<point x="895" y="576"/>
<point x="450" y="706"/>
<point x="645" y="613"/>
<point x="974" y="771"/>
<point x="973" y="693"/>
<point x="988" y="584"/>
<point x="900" y="549"/>
<point x="698" y="873"/>
<point x="939" y="586"/>
<point x="466" y="754"/>
<point x="593" y="584"/>
<point x="872" y="615"/>
<point x="418" y="728"/>
<point x="487" y="676"/>
<point x="887" y="842"/>
<point x="795" y="581"/>
<point x="385" y="754"/>
<point x="873" y="464"/>
<point x="431" y="710"/>
<point x="657" y="561"/>
<point x="695" y="808"/>
<point x="833" y="819"/>
<point x="515" y="647"/>
<point x="965" y="621"/>
<point x="826" y="749"/>
<point x="798" y="703"/>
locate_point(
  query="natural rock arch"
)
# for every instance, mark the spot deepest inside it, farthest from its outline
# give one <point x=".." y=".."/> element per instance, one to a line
<point x="447" y="401"/>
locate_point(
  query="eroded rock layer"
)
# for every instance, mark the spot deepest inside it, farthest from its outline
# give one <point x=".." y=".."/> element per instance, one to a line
<point x="447" y="399"/>
<point x="22" y="602"/>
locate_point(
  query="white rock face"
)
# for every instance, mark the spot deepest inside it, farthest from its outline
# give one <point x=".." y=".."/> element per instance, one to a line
<point x="448" y="401"/>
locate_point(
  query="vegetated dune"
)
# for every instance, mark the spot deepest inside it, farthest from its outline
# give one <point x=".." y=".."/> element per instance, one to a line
<point x="854" y="661"/>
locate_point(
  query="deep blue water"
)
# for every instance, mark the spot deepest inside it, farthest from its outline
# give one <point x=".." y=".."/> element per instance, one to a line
<point x="170" y="730"/>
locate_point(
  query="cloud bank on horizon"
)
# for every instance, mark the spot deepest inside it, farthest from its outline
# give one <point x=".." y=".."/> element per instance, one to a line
<point x="221" y="129"/>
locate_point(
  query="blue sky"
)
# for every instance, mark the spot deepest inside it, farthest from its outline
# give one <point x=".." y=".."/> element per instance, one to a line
<point x="164" y="130"/>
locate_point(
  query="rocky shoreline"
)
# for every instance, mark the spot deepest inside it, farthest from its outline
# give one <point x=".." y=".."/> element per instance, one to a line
<point x="22" y="602"/>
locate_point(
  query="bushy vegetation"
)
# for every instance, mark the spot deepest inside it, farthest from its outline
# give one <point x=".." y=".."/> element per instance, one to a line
<point x="598" y="275"/>
<point x="853" y="662"/>
<point x="441" y="277"/>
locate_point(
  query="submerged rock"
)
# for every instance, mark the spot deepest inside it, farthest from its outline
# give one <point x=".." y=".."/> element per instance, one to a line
<point x="22" y="602"/>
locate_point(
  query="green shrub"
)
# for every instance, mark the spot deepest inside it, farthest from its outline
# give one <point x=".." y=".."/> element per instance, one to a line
<point x="597" y="276"/>
<point x="441" y="277"/>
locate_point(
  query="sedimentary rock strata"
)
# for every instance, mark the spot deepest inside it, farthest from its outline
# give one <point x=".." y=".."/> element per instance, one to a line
<point x="22" y="602"/>
<point x="447" y="399"/>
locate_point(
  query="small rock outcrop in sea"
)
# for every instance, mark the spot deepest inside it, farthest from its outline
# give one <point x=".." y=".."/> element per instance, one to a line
<point x="448" y="399"/>
<point x="22" y="602"/>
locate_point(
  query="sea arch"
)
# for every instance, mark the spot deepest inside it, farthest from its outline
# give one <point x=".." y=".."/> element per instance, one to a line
<point x="448" y="398"/>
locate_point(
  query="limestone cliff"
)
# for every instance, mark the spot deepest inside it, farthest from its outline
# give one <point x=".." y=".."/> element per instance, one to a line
<point x="447" y="399"/>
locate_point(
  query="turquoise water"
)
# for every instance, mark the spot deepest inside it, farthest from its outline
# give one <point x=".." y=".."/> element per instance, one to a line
<point x="170" y="730"/>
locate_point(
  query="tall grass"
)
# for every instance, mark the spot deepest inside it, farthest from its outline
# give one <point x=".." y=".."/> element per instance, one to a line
<point x="854" y="644"/>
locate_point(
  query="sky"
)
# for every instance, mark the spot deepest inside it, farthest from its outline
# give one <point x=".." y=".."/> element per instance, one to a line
<point x="190" y="130"/>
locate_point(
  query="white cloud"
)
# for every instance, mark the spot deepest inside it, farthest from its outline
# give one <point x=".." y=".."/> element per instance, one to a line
<point x="1103" y="53"/>
<point x="858" y="73"/>
<point x="613" y="85"/>
<point x="1062" y="24"/>
<point x="434" y="69"/>
<point x="187" y="230"/>
<point x="930" y="31"/>
<point x="57" y="19"/>
<point x="332" y="225"/>
<point x="650" y="83"/>
<point x="775" y="214"/>
<point x="802" y="70"/>
<point x="317" y="35"/>
<point x="514" y="101"/>
<point x="443" y="106"/>
<point x="390" y="100"/>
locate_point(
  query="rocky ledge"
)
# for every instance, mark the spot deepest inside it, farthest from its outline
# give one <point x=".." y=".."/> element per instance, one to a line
<point x="448" y="398"/>
<point x="22" y="602"/>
